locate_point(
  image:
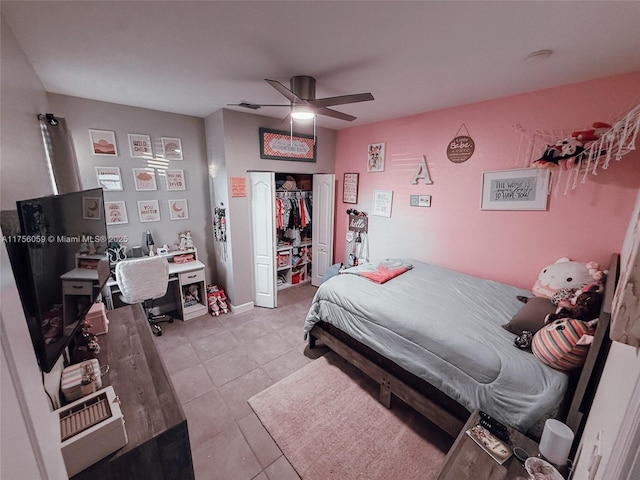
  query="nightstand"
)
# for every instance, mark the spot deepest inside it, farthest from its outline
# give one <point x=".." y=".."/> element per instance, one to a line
<point x="467" y="461"/>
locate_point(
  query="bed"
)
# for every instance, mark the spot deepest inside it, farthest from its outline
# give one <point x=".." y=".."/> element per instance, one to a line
<point x="433" y="337"/>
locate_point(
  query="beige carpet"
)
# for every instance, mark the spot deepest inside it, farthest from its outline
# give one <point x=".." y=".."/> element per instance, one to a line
<point x="327" y="421"/>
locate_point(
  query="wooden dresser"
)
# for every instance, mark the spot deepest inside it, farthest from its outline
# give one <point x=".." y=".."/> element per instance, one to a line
<point x="156" y="426"/>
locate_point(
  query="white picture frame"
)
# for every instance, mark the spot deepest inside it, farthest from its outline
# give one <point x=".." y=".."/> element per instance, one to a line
<point x="115" y="213"/>
<point x="140" y="145"/>
<point x="103" y="142"/>
<point x="175" y="180"/>
<point x="516" y="189"/>
<point x="144" y="179"/>
<point x="148" y="211"/>
<point x="382" y="203"/>
<point x="109" y="178"/>
<point x="178" y="209"/>
<point x="171" y="148"/>
<point x="375" y="157"/>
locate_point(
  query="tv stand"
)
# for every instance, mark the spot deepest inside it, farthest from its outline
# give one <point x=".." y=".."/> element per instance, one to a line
<point x="156" y="426"/>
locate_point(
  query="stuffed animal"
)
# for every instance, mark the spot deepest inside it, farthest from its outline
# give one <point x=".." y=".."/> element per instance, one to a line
<point x="566" y="274"/>
<point x="583" y="305"/>
<point x="570" y="151"/>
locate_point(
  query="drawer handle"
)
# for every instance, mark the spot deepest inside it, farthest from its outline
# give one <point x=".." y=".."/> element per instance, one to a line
<point x="192" y="276"/>
<point x="77" y="286"/>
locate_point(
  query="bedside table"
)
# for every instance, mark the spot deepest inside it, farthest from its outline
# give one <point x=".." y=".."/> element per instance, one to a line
<point x="467" y="461"/>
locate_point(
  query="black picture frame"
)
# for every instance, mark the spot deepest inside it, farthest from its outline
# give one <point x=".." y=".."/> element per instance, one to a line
<point x="283" y="145"/>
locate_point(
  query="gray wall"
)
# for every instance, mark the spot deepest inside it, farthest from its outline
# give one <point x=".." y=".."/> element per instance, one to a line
<point x="83" y="114"/>
<point x="30" y="438"/>
<point x="234" y="156"/>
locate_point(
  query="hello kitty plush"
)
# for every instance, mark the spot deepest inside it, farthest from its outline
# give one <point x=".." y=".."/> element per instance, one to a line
<point x="566" y="274"/>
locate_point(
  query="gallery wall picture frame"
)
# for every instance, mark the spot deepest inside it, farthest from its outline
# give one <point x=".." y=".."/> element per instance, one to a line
<point x="175" y="180"/>
<point x="178" y="209"/>
<point x="140" y="145"/>
<point x="115" y="213"/>
<point x="148" y="211"/>
<point x="375" y="157"/>
<point x="109" y="178"/>
<point x="282" y="145"/>
<point x="91" y="208"/>
<point x="350" y="188"/>
<point x="145" y="179"/>
<point x="171" y="148"/>
<point x="382" y="203"/>
<point x="103" y="142"/>
<point x="517" y="189"/>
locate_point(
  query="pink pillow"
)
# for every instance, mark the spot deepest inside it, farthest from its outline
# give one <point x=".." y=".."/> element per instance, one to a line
<point x="563" y="344"/>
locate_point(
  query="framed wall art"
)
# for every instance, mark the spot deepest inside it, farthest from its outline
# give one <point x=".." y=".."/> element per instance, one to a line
<point x="109" y="178"/>
<point x="382" y="202"/>
<point x="140" y="145"/>
<point x="178" y="209"/>
<point x="171" y="148"/>
<point x="148" y="211"/>
<point x="145" y="179"/>
<point x="280" y="145"/>
<point x="92" y="208"/>
<point x="115" y="213"/>
<point x="350" y="188"/>
<point x="519" y="189"/>
<point x="103" y="142"/>
<point x="375" y="157"/>
<point x="175" y="180"/>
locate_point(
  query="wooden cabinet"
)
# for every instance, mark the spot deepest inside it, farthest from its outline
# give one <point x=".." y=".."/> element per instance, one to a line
<point x="467" y="461"/>
<point x="158" y="446"/>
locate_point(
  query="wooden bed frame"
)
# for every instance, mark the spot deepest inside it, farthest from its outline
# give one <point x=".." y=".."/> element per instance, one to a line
<point x="448" y="414"/>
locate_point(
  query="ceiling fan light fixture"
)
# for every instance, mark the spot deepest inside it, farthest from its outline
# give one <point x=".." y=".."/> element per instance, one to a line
<point x="302" y="112"/>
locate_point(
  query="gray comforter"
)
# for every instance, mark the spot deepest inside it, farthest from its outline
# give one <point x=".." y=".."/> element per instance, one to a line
<point x="445" y="327"/>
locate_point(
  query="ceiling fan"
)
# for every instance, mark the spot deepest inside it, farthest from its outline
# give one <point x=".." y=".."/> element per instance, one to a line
<point x="304" y="104"/>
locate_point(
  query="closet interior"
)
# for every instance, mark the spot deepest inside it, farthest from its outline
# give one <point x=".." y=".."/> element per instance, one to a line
<point x="293" y="209"/>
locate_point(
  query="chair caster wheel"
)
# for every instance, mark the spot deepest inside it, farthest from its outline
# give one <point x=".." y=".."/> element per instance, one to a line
<point x="157" y="331"/>
<point x="170" y="320"/>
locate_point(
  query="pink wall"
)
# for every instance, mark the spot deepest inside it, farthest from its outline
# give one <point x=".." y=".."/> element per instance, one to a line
<point x="587" y="224"/>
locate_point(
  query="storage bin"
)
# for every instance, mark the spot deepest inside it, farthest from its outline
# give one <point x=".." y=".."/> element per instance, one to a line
<point x="283" y="259"/>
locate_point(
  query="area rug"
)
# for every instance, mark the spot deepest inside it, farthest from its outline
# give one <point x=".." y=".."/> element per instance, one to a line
<point x="328" y="423"/>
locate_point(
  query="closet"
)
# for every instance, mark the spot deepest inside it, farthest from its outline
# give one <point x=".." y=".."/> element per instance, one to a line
<point x="292" y="223"/>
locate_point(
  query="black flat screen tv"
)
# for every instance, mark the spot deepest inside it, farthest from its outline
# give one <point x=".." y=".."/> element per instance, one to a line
<point x="53" y="231"/>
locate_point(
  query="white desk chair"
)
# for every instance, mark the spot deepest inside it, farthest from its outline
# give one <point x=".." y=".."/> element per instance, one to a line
<point x="142" y="280"/>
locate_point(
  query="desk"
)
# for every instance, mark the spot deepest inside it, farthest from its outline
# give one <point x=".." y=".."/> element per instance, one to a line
<point x="184" y="276"/>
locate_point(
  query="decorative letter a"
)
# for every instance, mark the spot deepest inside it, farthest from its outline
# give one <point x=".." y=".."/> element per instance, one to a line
<point x="422" y="172"/>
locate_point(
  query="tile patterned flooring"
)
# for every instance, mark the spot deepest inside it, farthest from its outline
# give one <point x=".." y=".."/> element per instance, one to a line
<point x="217" y="364"/>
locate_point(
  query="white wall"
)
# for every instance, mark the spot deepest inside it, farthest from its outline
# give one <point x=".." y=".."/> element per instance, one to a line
<point x="29" y="436"/>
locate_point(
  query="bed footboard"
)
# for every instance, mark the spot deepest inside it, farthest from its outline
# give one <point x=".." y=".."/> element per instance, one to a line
<point x="391" y="384"/>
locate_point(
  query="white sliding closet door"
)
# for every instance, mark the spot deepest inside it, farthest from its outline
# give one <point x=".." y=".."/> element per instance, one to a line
<point x="263" y="193"/>
<point x="324" y="186"/>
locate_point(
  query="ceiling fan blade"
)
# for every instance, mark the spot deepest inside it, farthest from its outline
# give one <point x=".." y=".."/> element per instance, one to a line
<point x="342" y="99"/>
<point x="327" y="112"/>
<point x="284" y="91"/>
<point x="256" y="106"/>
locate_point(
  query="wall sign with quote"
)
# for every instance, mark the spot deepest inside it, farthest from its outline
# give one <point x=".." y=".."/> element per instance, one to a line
<point x="109" y="178"/>
<point x="461" y="147"/>
<point x="140" y="145"/>
<point x="519" y="189"/>
<point x="350" y="188"/>
<point x="382" y="202"/>
<point x="280" y="145"/>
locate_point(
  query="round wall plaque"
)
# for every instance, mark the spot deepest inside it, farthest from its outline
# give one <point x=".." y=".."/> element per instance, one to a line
<point x="460" y="149"/>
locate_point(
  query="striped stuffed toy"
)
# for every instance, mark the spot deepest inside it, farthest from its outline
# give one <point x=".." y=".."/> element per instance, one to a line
<point x="564" y="343"/>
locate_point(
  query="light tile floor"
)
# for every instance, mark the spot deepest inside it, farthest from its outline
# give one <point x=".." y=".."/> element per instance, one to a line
<point x="217" y="364"/>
